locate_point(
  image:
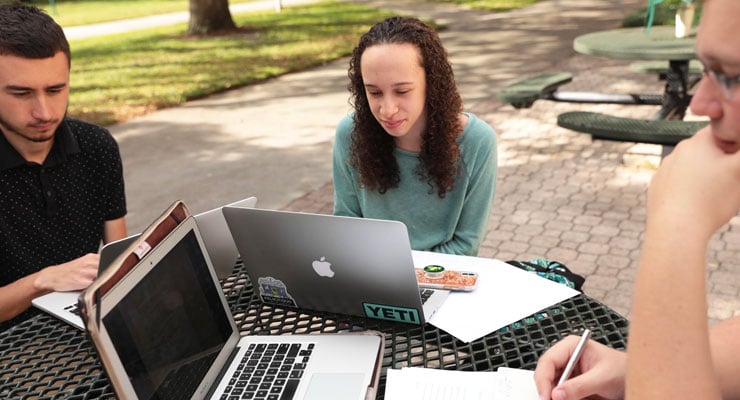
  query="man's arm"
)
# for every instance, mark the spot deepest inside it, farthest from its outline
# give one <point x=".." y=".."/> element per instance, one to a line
<point x="73" y="275"/>
<point x="114" y="229"/>
<point x="726" y="356"/>
<point x="695" y="191"/>
<point x="16" y="297"/>
<point x="669" y="351"/>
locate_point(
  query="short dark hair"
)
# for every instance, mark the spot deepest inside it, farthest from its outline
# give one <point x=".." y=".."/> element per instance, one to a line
<point x="29" y="32"/>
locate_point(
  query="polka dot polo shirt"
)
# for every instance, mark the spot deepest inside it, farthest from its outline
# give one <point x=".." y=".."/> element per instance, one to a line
<point x="55" y="212"/>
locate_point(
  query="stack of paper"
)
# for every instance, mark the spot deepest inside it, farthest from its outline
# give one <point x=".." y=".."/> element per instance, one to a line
<point x="436" y="384"/>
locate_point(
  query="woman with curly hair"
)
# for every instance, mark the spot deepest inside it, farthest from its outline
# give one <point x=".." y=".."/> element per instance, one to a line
<point x="408" y="152"/>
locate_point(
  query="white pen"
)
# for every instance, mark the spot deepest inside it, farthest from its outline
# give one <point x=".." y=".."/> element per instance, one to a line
<point x="575" y="356"/>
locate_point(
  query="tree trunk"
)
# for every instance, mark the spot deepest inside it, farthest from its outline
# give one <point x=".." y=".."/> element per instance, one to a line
<point x="208" y="16"/>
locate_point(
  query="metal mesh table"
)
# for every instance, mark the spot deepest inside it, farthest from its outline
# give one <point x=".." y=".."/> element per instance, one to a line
<point x="44" y="358"/>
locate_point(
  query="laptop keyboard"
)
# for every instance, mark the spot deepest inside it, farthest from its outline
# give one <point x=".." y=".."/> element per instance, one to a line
<point x="425" y="294"/>
<point x="73" y="309"/>
<point x="181" y="382"/>
<point x="269" y="371"/>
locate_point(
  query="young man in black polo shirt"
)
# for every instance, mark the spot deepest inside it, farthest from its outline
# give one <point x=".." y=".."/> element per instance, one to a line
<point x="61" y="180"/>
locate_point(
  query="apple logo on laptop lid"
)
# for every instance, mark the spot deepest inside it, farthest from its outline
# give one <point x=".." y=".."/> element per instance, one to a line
<point x="323" y="268"/>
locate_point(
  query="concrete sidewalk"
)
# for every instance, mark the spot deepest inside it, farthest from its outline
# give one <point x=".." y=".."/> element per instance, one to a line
<point x="559" y="196"/>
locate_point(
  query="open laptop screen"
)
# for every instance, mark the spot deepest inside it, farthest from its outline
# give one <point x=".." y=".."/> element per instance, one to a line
<point x="171" y="326"/>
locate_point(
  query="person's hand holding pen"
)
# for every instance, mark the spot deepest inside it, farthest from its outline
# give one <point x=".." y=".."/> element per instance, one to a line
<point x="575" y="356"/>
<point x="599" y="372"/>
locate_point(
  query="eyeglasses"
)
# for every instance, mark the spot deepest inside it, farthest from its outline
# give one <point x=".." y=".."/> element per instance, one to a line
<point x="725" y="82"/>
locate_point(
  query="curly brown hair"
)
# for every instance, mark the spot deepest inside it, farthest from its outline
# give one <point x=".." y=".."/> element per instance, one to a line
<point x="372" y="148"/>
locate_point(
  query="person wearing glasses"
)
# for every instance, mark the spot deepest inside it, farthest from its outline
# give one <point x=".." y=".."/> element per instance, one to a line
<point x="61" y="179"/>
<point x="671" y="352"/>
<point x="408" y="152"/>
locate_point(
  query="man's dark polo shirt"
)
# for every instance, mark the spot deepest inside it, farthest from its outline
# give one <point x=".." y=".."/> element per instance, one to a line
<point x="55" y="212"/>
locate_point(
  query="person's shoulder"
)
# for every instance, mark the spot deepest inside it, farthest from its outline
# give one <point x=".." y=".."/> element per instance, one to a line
<point x="82" y="128"/>
<point x="90" y="136"/>
<point x="78" y="125"/>
<point x="347" y="123"/>
<point x="478" y="131"/>
<point x="345" y="127"/>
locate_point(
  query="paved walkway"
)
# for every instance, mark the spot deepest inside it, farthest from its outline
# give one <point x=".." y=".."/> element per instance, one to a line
<point x="560" y="195"/>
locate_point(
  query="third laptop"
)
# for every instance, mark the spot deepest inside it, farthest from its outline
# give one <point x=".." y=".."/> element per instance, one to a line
<point x="219" y="245"/>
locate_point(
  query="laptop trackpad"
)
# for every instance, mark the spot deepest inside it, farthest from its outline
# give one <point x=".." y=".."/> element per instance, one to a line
<point x="335" y="387"/>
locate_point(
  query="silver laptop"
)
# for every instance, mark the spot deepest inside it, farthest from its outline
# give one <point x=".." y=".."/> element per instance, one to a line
<point x="355" y="266"/>
<point x="63" y="305"/>
<point x="217" y="237"/>
<point x="164" y="330"/>
<point x="219" y="244"/>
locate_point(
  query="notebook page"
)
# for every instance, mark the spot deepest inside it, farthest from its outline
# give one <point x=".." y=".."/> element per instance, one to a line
<point x="435" y="384"/>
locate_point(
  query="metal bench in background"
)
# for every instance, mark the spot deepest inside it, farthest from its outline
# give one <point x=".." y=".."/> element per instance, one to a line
<point x="665" y="132"/>
<point x="661" y="69"/>
<point x="661" y="53"/>
<point x="607" y="127"/>
<point x="523" y="93"/>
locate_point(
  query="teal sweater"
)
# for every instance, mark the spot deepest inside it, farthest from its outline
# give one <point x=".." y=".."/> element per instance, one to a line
<point x="455" y="224"/>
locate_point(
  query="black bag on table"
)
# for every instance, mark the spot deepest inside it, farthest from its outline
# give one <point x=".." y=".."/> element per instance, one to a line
<point x="551" y="270"/>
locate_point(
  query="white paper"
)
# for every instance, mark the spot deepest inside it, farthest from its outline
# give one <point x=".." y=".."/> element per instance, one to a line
<point x="505" y="294"/>
<point x="435" y="384"/>
<point x="515" y="384"/>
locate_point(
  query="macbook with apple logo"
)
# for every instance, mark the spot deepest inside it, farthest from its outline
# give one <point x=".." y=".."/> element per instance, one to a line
<point x="345" y="265"/>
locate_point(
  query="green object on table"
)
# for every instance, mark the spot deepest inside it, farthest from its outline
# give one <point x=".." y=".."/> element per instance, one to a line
<point x="608" y="127"/>
<point x="523" y="93"/>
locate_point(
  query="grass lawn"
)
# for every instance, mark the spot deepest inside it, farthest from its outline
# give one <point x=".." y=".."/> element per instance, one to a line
<point x="120" y="76"/>
<point x="492" y="5"/>
<point x="81" y="12"/>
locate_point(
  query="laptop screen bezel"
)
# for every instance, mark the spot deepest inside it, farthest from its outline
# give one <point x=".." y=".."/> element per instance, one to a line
<point x="114" y="366"/>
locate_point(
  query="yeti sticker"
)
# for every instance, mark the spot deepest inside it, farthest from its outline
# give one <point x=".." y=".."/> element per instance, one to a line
<point x="273" y="291"/>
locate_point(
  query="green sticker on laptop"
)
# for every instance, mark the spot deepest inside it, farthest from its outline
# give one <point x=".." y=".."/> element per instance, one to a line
<point x="392" y="313"/>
